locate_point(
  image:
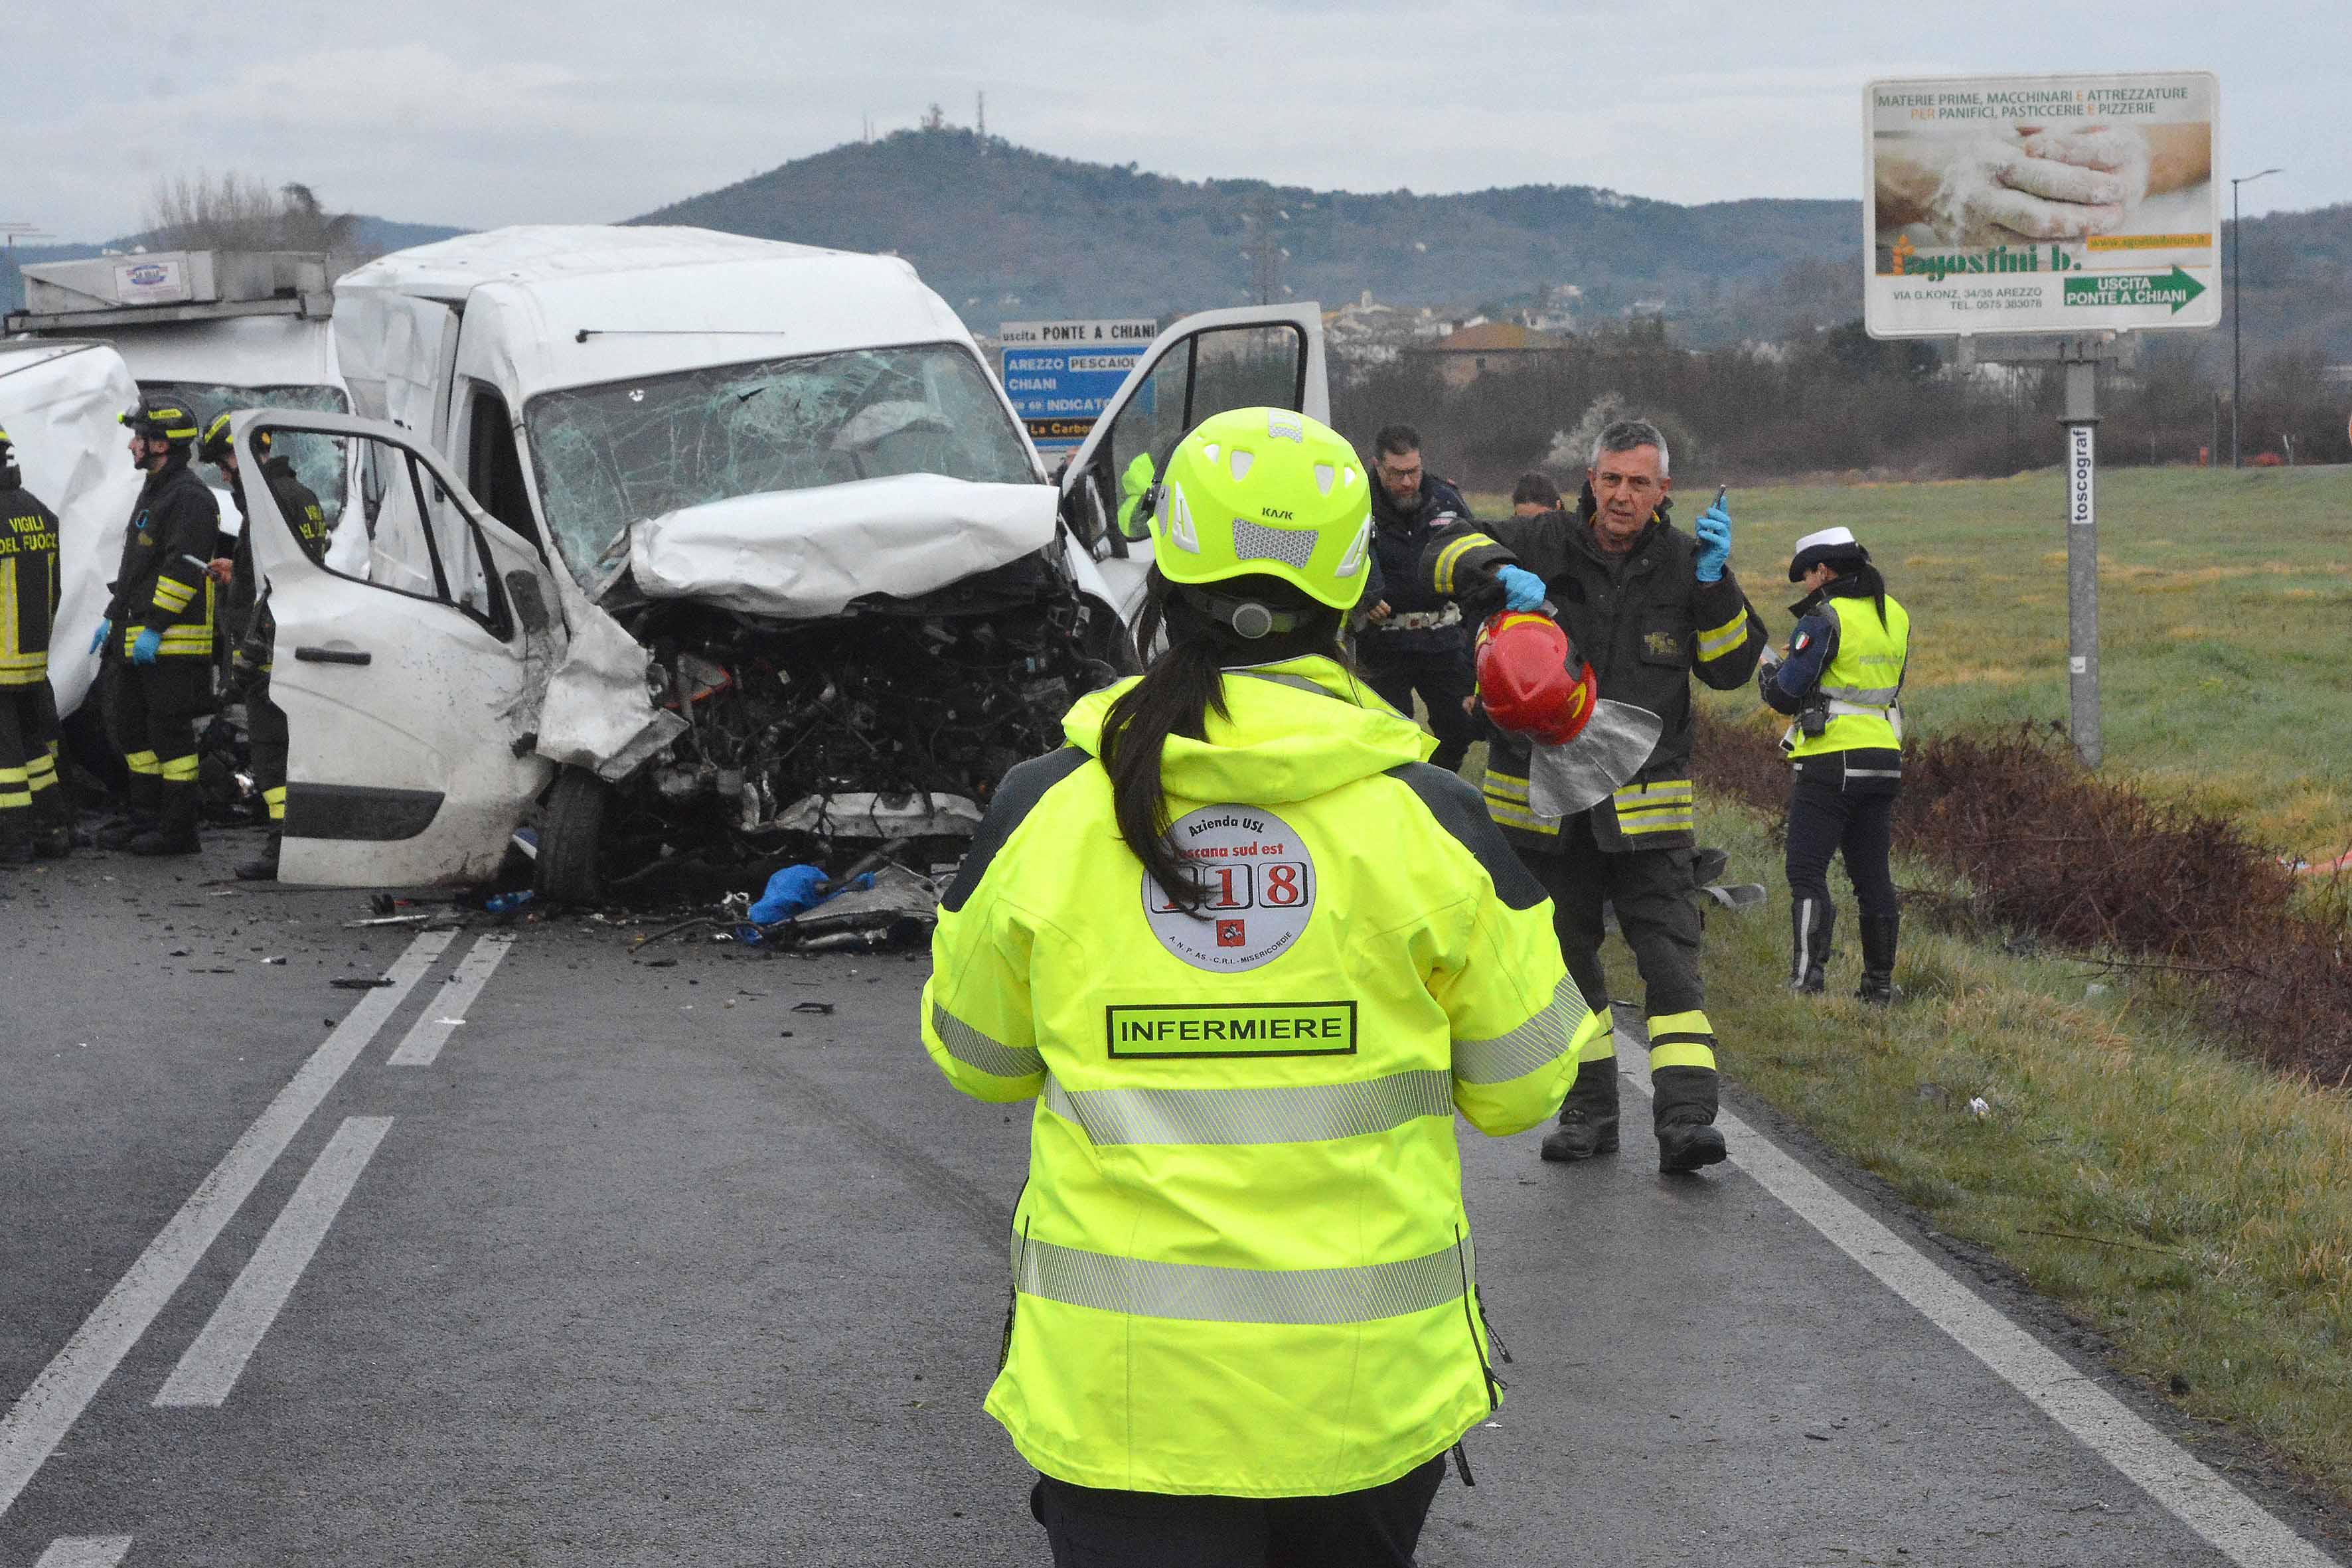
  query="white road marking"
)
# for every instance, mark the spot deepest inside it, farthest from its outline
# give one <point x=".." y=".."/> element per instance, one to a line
<point x="38" y="1421"/>
<point x="85" y="1552"/>
<point x="2232" y="1522"/>
<point x="428" y="1035"/>
<point x="211" y="1366"/>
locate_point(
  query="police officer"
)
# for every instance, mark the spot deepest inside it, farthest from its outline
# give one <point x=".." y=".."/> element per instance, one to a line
<point x="1649" y="606"/>
<point x="1843" y="682"/>
<point x="33" y="815"/>
<point x="1245" y="1325"/>
<point x="1411" y="640"/>
<point x="157" y="636"/>
<point x="250" y="627"/>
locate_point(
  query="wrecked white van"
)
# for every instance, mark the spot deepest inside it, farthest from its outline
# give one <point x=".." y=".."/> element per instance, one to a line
<point x="686" y="545"/>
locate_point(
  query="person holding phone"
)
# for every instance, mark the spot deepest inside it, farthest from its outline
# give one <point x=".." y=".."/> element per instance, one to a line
<point x="1249" y="953"/>
<point x="1652" y="608"/>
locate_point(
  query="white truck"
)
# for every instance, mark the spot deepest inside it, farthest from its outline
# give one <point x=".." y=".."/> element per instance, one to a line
<point x="214" y="329"/>
<point x="695" y="547"/>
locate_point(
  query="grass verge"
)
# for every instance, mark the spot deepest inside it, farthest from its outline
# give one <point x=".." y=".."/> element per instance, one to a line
<point x="2185" y="1202"/>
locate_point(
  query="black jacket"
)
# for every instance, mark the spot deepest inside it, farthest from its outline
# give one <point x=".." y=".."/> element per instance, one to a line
<point x="1400" y="537"/>
<point x="247" y="614"/>
<point x="165" y="583"/>
<point x="29" y="582"/>
<point x="1647" y="625"/>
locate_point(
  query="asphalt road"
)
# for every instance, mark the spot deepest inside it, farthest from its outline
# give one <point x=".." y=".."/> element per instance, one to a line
<point x="643" y="1266"/>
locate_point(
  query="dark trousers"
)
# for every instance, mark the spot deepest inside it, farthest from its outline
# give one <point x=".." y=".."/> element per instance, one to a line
<point x="28" y="729"/>
<point x="1826" y="818"/>
<point x="150" y="717"/>
<point x="265" y="730"/>
<point x="1444" y="680"/>
<point x="1374" y="1528"/>
<point x="1649" y="890"/>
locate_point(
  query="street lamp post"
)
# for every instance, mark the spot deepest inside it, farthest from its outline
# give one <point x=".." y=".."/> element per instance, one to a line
<point x="2237" y="253"/>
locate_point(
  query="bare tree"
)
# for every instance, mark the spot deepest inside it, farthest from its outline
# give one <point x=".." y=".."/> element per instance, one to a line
<point x="236" y="212"/>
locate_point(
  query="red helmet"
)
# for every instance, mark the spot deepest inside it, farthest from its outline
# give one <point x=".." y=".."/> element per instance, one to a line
<point x="1530" y="678"/>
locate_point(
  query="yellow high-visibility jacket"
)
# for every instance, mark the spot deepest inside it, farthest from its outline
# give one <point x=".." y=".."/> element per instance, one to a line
<point x="1241" y="1263"/>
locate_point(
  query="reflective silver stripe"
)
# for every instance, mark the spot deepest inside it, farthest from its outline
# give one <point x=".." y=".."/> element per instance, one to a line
<point x="1300" y="681"/>
<point x="1873" y="773"/>
<point x="1862" y="696"/>
<point x="1541" y="1040"/>
<point x="1205" y="1293"/>
<point x="974" y="1049"/>
<point x="1307" y="1113"/>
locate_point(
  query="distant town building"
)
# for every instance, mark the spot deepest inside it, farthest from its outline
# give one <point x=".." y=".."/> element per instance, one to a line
<point x="1464" y="355"/>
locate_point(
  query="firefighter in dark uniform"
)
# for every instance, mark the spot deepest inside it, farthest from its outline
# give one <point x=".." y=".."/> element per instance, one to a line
<point x="157" y="636"/>
<point x="1842" y="683"/>
<point x="1410" y="640"/>
<point x="1649" y="606"/>
<point x="33" y="816"/>
<point x="250" y="627"/>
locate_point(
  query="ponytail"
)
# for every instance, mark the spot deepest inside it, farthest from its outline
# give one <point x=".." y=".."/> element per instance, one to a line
<point x="1180" y="688"/>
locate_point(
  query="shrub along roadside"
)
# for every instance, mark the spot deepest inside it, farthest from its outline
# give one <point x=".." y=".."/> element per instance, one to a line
<point x="2092" y="865"/>
<point x="2183" y="1202"/>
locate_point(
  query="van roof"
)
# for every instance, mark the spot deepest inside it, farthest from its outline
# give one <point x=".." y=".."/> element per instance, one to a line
<point x="545" y="253"/>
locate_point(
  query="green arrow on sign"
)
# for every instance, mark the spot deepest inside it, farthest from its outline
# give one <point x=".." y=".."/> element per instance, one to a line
<point x="2175" y="288"/>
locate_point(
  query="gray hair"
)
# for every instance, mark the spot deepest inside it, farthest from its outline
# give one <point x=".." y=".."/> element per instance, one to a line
<point x="1624" y="435"/>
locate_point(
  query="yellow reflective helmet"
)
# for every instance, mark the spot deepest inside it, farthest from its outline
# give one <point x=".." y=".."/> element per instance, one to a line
<point x="1266" y="492"/>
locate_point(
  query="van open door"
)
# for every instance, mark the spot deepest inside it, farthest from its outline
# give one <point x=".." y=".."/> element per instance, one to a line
<point x="1249" y="356"/>
<point x="411" y="709"/>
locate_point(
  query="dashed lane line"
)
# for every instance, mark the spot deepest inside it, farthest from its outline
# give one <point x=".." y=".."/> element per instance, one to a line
<point x="85" y="1552"/>
<point x="38" y="1421"/>
<point x="211" y="1365"/>
<point x="2232" y="1522"/>
<point x="425" y="1037"/>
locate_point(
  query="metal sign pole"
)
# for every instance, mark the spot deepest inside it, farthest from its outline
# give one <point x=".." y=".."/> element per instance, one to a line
<point x="2082" y="420"/>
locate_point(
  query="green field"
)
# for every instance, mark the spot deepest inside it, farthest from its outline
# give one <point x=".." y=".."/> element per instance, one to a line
<point x="2225" y="616"/>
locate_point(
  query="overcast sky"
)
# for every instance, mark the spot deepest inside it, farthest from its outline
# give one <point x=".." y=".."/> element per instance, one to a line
<point x="480" y="113"/>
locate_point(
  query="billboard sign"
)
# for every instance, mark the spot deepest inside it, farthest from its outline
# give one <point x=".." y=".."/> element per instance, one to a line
<point x="2040" y="204"/>
<point x="1061" y="375"/>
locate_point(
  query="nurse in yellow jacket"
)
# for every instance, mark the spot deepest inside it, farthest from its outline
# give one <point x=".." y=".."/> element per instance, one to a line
<point x="1249" y="953"/>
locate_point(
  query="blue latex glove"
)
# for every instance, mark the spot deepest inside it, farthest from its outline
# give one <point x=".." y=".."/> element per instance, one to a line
<point x="1522" y="589"/>
<point x="1714" y="543"/>
<point x="144" y="650"/>
<point x="98" y="639"/>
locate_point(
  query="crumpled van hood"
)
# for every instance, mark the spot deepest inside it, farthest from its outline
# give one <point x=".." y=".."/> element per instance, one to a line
<point x="804" y="554"/>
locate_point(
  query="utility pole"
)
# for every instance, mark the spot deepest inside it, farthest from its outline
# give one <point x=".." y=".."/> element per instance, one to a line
<point x="980" y="117"/>
<point x="2237" y="261"/>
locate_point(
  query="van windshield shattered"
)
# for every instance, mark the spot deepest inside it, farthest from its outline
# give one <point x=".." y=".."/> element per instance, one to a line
<point x="615" y="454"/>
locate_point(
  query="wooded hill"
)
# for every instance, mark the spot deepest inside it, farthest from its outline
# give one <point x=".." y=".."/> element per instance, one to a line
<point x="1004" y="233"/>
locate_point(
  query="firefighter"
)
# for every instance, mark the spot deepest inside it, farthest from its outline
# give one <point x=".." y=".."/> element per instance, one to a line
<point x="157" y="636"/>
<point x="1842" y="683"/>
<point x="1649" y="606"/>
<point x="250" y="627"/>
<point x="33" y="815"/>
<point x="1244" y="1326"/>
<point x="1413" y="643"/>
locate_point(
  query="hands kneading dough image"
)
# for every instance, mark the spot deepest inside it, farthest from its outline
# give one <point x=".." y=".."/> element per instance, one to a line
<point x="2027" y="183"/>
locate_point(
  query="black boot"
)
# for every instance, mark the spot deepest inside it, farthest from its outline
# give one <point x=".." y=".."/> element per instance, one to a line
<point x="1878" y="938"/>
<point x="262" y="868"/>
<point x="1683" y="1102"/>
<point x="52" y="824"/>
<point x="1810" y="920"/>
<point x="1587" y="1118"/>
<point x="142" y="804"/>
<point x="175" y="826"/>
<point x="16" y="835"/>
